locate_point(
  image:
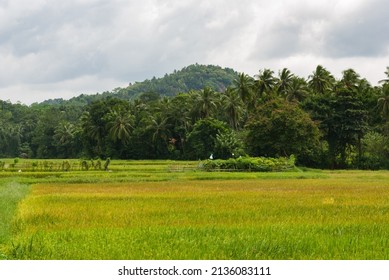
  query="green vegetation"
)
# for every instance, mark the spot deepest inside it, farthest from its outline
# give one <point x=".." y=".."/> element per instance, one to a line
<point x="201" y="111"/>
<point x="251" y="164"/>
<point x="98" y="208"/>
<point x="176" y="210"/>
<point x="192" y="77"/>
<point x="10" y="194"/>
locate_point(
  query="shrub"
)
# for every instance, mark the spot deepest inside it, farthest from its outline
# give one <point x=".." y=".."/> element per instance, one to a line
<point x="257" y="164"/>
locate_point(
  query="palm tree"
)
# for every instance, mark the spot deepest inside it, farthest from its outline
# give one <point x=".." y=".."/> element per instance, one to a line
<point x="95" y="131"/>
<point x="284" y="82"/>
<point x="3" y="136"/>
<point x="383" y="102"/>
<point x="205" y="102"/>
<point x="64" y="133"/>
<point x="265" y="82"/>
<point x="158" y="127"/>
<point x="321" y="80"/>
<point x="387" y="75"/>
<point x="297" y="90"/>
<point x="120" y="125"/>
<point x="244" y="87"/>
<point x="139" y="109"/>
<point x="179" y="115"/>
<point x="66" y="139"/>
<point x="11" y="135"/>
<point x="180" y="120"/>
<point x="350" y="79"/>
<point x="363" y="87"/>
<point x="164" y="105"/>
<point x="232" y="105"/>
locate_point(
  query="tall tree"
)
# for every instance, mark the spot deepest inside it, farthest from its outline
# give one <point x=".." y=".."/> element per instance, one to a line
<point x="285" y="78"/>
<point x="265" y="82"/>
<point x="67" y="140"/>
<point x="157" y="128"/>
<point x="383" y="102"/>
<point x="244" y="85"/>
<point x="321" y="80"/>
<point x="201" y="140"/>
<point x="298" y="90"/>
<point x="120" y="125"/>
<point x="232" y="106"/>
<point x="95" y="124"/>
<point x="205" y="103"/>
<point x="387" y="75"/>
<point x="280" y="128"/>
<point x="43" y="142"/>
<point x="342" y="119"/>
<point x="180" y="121"/>
<point x="350" y="79"/>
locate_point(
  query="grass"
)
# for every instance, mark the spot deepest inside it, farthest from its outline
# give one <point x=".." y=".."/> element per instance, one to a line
<point x="170" y="210"/>
<point x="249" y="219"/>
<point x="10" y="194"/>
<point x="135" y="171"/>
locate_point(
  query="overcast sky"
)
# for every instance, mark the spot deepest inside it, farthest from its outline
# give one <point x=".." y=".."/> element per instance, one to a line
<point x="52" y="49"/>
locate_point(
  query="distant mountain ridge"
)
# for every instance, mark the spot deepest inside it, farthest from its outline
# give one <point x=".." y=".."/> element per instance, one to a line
<point x="192" y="77"/>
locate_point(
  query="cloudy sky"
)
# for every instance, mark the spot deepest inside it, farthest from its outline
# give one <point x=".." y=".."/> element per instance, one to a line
<point x="55" y="48"/>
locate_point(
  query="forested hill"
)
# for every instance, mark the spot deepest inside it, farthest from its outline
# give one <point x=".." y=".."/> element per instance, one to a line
<point x="193" y="77"/>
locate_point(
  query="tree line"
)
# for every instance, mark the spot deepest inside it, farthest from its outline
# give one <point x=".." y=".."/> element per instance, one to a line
<point x="323" y="121"/>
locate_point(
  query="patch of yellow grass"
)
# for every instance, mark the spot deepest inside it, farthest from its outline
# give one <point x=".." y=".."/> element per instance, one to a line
<point x="241" y="202"/>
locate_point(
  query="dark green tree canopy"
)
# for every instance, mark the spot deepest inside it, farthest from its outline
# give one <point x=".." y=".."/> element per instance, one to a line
<point x="202" y="139"/>
<point x="279" y="128"/>
<point x="203" y="110"/>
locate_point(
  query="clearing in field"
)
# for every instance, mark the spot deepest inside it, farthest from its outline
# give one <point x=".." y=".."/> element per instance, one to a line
<point x="199" y="215"/>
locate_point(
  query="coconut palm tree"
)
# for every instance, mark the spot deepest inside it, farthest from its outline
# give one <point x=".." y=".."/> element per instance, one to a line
<point x="265" y="82"/>
<point x="205" y="102"/>
<point x="297" y="90"/>
<point x="64" y="133"/>
<point x="244" y="87"/>
<point x="383" y="102"/>
<point x="232" y="106"/>
<point x="120" y="125"/>
<point x="321" y="80"/>
<point x="350" y="79"/>
<point x="284" y="81"/>
<point x="387" y="75"/>
<point x="180" y="112"/>
<point x="67" y="140"/>
<point x="93" y="130"/>
<point x="157" y="128"/>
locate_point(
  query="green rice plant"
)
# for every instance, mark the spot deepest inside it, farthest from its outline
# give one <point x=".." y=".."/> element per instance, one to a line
<point x="10" y="195"/>
<point x="342" y="216"/>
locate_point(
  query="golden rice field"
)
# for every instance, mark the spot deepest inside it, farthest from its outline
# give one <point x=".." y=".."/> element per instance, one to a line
<point x="165" y="210"/>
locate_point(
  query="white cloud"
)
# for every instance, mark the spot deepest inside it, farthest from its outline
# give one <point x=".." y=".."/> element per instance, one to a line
<point x="50" y="47"/>
<point x="30" y="93"/>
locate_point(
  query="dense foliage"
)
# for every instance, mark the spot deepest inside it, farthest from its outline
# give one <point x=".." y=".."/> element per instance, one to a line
<point x="206" y="110"/>
<point x="260" y="164"/>
<point x="193" y="77"/>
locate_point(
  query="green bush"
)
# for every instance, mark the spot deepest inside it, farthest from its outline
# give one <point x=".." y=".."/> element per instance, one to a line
<point x="257" y="164"/>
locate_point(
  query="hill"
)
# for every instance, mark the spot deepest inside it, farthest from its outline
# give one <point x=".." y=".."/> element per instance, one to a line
<point x="193" y="77"/>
